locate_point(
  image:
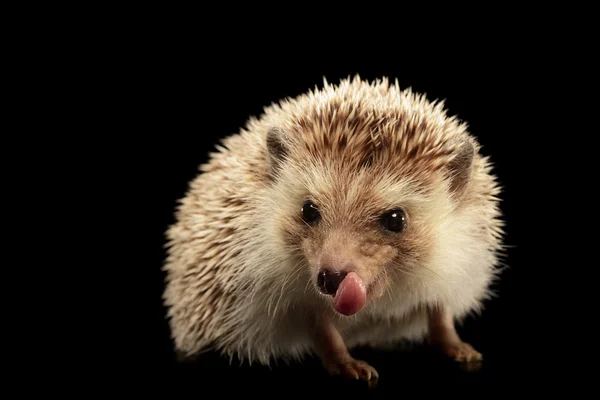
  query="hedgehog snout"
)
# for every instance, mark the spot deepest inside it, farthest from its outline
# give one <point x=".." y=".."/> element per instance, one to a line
<point x="328" y="280"/>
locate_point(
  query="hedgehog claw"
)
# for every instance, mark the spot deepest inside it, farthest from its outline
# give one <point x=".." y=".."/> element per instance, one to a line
<point x="354" y="369"/>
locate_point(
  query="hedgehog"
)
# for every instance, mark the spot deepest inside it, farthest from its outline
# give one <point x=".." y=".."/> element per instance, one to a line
<point x="355" y="214"/>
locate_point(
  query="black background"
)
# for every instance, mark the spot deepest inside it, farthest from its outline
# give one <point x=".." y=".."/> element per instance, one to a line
<point x="181" y="92"/>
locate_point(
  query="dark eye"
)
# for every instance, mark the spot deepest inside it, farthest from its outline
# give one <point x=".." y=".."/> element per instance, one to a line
<point x="394" y="220"/>
<point x="310" y="213"/>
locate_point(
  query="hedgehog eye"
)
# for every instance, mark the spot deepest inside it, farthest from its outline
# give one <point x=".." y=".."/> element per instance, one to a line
<point x="310" y="213"/>
<point x="394" y="220"/>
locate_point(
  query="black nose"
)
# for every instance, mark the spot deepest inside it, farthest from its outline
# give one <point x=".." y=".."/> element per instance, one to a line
<point x="328" y="280"/>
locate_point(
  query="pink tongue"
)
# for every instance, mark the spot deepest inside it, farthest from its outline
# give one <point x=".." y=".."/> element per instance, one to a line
<point x="350" y="296"/>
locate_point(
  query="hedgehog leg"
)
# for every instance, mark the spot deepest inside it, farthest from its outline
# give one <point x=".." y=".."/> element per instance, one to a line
<point x="335" y="356"/>
<point x="443" y="337"/>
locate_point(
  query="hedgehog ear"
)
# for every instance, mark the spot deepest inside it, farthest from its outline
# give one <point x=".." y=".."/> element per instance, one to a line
<point x="460" y="167"/>
<point x="277" y="149"/>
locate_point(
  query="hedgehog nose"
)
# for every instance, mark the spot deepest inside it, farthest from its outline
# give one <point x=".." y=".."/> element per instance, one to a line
<point x="329" y="280"/>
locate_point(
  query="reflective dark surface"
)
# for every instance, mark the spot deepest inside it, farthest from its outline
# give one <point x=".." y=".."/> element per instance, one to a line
<point x="416" y="369"/>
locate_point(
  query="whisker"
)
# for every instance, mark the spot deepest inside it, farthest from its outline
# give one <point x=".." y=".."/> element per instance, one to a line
<point x="288" y="281"/>
<point x="433" y="272"/>
<point x="261" y="284"/>
<point x="308" y="283"/>
<point x="400" y="268"/>
<point x="388" y="287"/>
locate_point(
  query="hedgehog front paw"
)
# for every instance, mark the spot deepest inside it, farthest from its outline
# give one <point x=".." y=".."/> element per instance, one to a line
<point x="353" y="369"/>
<point x="459" y="351"/>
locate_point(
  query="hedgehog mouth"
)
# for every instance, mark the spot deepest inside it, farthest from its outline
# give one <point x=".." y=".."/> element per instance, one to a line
<point x="349" y="294"/>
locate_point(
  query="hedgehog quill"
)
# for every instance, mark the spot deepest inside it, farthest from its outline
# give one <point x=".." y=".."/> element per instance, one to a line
<point x="358" y="214"/>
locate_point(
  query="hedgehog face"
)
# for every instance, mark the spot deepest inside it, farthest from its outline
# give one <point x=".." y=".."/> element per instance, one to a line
<point x="348" y="262"/>
<point x="362" y="231"/>
<point x="358" y="233"/>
